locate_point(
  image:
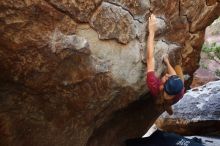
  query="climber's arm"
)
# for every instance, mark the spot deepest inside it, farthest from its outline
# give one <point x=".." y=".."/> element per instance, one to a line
<point x="150" y="53"/>
<point x="150" y="44"/>
<point x="170" y="69"/>
<point x="179" y="72"/>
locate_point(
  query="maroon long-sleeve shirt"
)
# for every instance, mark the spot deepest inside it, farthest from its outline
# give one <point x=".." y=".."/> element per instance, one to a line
<point x="153" y="84"/>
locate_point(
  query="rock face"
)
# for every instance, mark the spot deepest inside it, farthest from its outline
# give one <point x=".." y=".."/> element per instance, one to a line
<point x="72" y="71"/>
<point x="209" y="61"/>
<point x="208" y="70"/>
<point x="213" y="33"/>
<point x="197" y="113"/>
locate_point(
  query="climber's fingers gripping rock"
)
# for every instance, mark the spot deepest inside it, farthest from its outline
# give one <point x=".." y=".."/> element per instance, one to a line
<point x="152" y="23"/>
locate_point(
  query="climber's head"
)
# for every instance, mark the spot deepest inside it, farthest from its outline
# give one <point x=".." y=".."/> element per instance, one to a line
<point x="172" y="85"/>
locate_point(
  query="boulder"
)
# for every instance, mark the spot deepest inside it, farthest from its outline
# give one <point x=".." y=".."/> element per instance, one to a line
<point x="73" y="71"/>
<point x="203" y="76"/>
<point x="197" y="113"/>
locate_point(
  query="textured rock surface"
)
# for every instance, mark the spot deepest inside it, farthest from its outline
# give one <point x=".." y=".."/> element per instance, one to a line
<point x="79" y="10"/>
<point x="72" y="72"/>
<point x="197" y="113"/>
<point x="203" y="76"/>
<point x="213" y="33"/>
<point x="207" y="71"/>
<point x="209" y="62"/>
<point x="111" y="22"/>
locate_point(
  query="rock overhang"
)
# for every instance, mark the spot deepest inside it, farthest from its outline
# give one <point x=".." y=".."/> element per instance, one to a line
<point x="59" y="53"/>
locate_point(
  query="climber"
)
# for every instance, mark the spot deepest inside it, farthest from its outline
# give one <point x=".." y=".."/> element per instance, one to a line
<point x="169" y="89"/>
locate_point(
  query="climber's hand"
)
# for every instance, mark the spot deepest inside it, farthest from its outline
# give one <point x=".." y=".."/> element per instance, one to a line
<point x="170" y="69"/>
<point x="166" y="59"/>
<point x="152" y="23"/>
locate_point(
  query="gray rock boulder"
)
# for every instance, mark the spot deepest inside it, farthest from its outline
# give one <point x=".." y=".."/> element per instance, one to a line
<point x="197" y="113"/>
